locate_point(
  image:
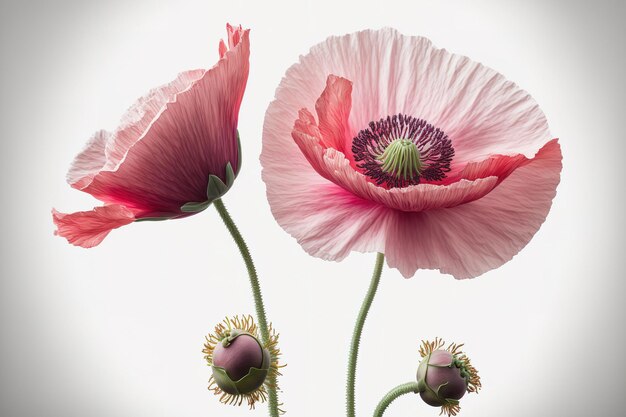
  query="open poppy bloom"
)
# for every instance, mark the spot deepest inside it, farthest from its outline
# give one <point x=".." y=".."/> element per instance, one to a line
<point x="379" y="142"/>
<point x="176" y="150"/>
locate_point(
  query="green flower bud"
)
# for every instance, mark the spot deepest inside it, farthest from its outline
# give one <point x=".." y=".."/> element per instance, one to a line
<point x="241" y="364"/>
<point x="445" y="375"/>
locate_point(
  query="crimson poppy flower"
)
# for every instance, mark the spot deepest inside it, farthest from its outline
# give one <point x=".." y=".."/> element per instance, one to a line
<point x="175" y="151"/>
<point x="379" y="142"/>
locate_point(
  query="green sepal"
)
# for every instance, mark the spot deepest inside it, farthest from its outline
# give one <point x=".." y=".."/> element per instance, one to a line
<point x="421" y="386"/>
<point x="255" y="378"/>
<point x="267" y="360"/>
<point x="216" y="188"/>
<point x="223" y="381"/>
<point x="422" y="370"/>
<point x="230" y="175"/>
<point x="239" y="159"/>
<point x="252" y="381"/>
<point x="152" y="219"/>
<point x="439" y="389"/>
<point x="195" y="207"/>
<point x="232" y="334"/>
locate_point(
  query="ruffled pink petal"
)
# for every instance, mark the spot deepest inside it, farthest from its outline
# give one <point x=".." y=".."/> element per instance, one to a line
<point x="333" y="109"/>
<point x="235" y="34"/>
<point x="106" y="150"/>
<point x="465" y="241"/>
<point x="500" y="166"/>
<point x="89" y="228"/>
<point x="334" y="166"/>
<point x="309" y="138"/>
<point x="142" y="114"/>
<point x="470" y="239"/>
<point x="497" y="130"/>
<point x="197" y="126"/>
<point x="222" y="48"/>
<point x="234" y="37"/>
<point x="482" y="112"/>
<point x="327" y="220"/>
<point x="90" y="161"/>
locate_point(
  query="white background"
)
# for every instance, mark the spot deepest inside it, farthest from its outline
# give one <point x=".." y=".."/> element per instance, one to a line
<point x="117" y="330"/>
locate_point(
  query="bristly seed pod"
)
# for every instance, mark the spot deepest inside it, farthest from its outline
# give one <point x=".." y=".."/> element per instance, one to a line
<point x="445" y="375"/>
<point x="240" y="362"/>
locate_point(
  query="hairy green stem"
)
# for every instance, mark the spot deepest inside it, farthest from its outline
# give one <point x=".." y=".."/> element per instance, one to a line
<point x="256" y="292"/>
<point x="356" y="335"/>
<point x="409" y="387"/>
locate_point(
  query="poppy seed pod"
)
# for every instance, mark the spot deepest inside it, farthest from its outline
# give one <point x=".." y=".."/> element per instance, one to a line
<point x="445" y="375"/>
<point x="241" y="364"/>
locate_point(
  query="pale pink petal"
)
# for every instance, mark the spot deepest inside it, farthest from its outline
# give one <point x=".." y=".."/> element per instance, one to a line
<point x="500" y="166"/>
<point x="142" y="114"/>
<point x="327" y="220"/>
<point x="309" y="138"/>
<point x="89" y="228"/>
<point x="234" y="37"/>
<point x="106" y="150"/>
<point x="482" y="112"/>
<point x="222" y="48"/>
<point x="90" y="161"/>
<point x="189" y="139"/>
<point x="306" y="125"/>
<point x="413" y="198"/>
<point x="333" y="109"/>
<point x="464" y="241"/>
<point x="334" y="166"/>
<point x="470" y="239"/>
<point x="498" y="192"/>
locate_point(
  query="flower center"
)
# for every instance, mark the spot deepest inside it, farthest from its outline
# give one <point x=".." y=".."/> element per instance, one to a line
<point x="401" y="150"/>
<point x="402" y="159"/>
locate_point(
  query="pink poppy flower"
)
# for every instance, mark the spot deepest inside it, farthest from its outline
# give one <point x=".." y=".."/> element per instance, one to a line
<point x="175" y="151"/>
<point x="379" y="142"/>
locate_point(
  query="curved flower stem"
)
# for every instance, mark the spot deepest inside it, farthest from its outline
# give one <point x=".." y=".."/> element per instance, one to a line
<point x="256" y="292"/>
<point x="356" y="335"/>
<point x="392" y="395"/>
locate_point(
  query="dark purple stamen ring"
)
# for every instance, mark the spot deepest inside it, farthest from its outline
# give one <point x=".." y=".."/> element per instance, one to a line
<point x="434" y="147"/>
